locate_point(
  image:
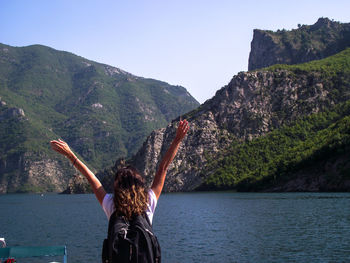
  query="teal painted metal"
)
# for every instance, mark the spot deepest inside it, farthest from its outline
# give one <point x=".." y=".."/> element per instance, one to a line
<point x="26" y="252"/>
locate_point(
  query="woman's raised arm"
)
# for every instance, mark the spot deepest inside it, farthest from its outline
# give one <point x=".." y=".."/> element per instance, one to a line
<point x="158" y="181"/>
<point x="63" y="148"/>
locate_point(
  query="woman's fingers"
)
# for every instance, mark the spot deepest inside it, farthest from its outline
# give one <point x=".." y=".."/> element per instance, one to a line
<point x="182" y="129"/>
<point x="53" y="143"/>
<point x="55" y="146"/>
<point x="184" y="126"/>
<point x="60" y="146"/>
<point x="59" y="143"/>
<point x="187" y="127"/>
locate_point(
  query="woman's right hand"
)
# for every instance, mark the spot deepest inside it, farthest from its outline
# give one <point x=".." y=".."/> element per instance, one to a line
<point x="61" y="147"/>
<point x="182" y="130"/>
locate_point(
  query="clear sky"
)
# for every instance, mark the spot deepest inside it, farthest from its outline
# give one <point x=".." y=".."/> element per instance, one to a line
<point x="200" y="44"/>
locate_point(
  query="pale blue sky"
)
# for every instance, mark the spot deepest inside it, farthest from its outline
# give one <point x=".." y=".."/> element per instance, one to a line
<point x="200" y="45"/>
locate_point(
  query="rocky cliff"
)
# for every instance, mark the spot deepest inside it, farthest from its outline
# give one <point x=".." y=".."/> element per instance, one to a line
<point x="28" y="172"/>
<point x="77" y="184"/>
<point x="250" y="106"/>
<point x="307" y="43"/>
<point x="22" y="170"/>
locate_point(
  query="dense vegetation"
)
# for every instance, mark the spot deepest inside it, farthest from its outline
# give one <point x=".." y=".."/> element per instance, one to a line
<point x="274" y="157"/>
<point x="325" y="37"/>
<point x="328" y="67"/>
<point x="308" y="142"/>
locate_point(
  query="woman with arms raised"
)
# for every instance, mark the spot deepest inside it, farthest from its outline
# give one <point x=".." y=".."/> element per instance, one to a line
<point x="131" y="198"/>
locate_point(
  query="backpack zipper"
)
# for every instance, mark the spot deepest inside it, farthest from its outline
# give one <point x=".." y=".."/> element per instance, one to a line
<point x="149" y="231"/>
<point x="125" y="231"/>
<point x="130" y="253"/>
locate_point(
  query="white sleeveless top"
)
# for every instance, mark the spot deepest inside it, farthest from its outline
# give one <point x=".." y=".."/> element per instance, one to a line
<point x="108" y="205"/>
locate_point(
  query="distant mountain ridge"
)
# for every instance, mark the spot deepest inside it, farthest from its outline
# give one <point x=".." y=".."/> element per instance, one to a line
<point x="103" y="112"/>
<point x="309" y="42"/>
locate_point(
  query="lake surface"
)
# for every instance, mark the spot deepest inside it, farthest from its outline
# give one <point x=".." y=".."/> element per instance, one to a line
<point x="193" y="227"/>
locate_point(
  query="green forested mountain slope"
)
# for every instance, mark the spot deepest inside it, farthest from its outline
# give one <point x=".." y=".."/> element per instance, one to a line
<point x="319" y="144"/>
<point x="103" y="112"/>
<point x="309" y="153"/>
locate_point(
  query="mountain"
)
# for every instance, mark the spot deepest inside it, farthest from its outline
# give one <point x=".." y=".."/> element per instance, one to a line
<point x="307" y="43"/>
<point x="103" y="113"/>
<point x="286" y="127"/>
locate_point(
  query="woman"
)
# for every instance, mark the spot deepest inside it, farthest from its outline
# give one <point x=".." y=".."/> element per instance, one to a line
<point x="130" y="196"/>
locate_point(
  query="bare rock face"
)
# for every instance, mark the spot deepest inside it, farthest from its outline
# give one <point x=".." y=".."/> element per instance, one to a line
<point x="11" y="113"/>
<point x="204" y="139"/>
<point x="251" y="105"/>
<point x="35" y="174"/>
<point x="2" y="103"/>
<point x="78" y="184"/>
<point x="45" y="172"/>
<point x="307" y="43"/>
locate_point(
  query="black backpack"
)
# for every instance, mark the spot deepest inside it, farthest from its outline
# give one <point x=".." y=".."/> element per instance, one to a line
<point x="130" y="241"/>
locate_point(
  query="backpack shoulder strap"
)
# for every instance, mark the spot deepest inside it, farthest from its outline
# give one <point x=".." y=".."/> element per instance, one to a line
<point x="142" y="222"/>
<point x="109" y="244"/>
<point x="111" y="222"/>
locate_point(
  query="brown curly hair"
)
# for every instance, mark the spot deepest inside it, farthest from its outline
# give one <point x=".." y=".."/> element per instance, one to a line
<point x="130" y="194"/>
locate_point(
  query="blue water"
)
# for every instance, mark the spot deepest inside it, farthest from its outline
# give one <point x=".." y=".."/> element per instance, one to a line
<point x="194" y="227"/>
